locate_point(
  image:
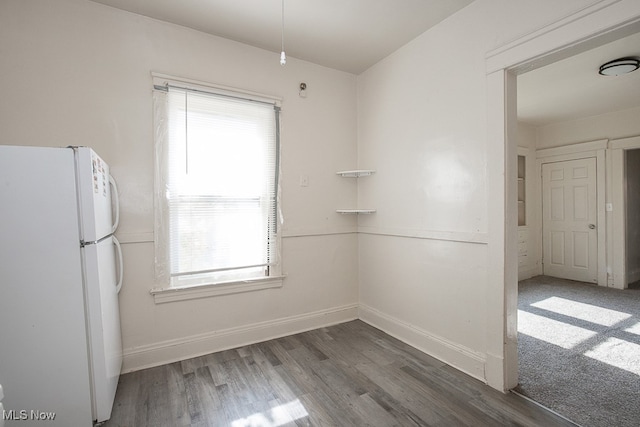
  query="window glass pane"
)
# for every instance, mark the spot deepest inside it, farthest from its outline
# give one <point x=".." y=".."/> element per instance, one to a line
<point x="221" y="186"/>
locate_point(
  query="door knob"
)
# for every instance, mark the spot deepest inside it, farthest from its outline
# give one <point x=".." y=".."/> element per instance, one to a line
<point x="592" y="226"/>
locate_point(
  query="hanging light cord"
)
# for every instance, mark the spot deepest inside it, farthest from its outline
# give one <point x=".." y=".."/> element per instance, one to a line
<point x="283" y="57"/>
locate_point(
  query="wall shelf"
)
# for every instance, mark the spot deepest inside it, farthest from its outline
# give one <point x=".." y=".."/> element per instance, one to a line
<point x="522" y="217"/>
<point x="356" y="173"/>
<point x="356" y="211"/>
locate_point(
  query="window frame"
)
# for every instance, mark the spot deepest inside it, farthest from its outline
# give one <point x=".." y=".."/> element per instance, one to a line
<point x="165" y="292"/>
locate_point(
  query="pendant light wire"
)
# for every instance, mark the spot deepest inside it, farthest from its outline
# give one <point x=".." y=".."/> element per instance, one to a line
<point x="283" y="57"/>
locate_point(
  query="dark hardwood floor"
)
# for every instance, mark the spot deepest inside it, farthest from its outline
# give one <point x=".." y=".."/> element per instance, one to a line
<point x="345" y="375"/>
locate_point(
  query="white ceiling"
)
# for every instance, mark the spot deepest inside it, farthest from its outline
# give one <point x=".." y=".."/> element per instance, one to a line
<point x="571" y="88"/>
<point x="348" y="35"/>
<point x="352" y="35"/>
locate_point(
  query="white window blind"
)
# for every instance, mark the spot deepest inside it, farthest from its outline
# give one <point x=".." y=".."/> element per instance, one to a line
<point x="219" y="169"/>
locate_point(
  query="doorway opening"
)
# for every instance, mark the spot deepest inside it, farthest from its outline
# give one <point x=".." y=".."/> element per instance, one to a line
<point x="563" y="333"/>
<point x="594" y="25"/>
<point x="632" y="232"/>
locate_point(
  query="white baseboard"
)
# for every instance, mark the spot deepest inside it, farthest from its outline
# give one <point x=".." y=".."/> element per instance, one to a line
<point x="161" y="353"/>
<point x="501" y="371"/>
<point x="461" y="358"/>
<point x="528" y="272"/>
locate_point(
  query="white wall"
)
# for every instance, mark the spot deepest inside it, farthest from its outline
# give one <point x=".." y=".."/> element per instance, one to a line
<point x="527" y="136"/>
<point x="613" y="125"/>
<point x="425" y="260"/>
<point x="78" y="73"/>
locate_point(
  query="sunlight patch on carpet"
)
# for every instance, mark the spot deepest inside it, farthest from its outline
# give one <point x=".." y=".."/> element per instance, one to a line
<point x="635" y="329"/>
<point x="552" y="331"/>
<point x="590" y="313"/>
<point x="619" y="353"/>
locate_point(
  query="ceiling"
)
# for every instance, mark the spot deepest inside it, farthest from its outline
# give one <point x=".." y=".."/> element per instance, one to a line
<point x="571" y="88"/>
<point x="352" y="35"/>
<point x="348" y="35"/>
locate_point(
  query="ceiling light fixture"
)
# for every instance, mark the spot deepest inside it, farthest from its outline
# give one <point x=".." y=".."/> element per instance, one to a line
<point x="618" y="67"/>
<point x="283" y="57"/>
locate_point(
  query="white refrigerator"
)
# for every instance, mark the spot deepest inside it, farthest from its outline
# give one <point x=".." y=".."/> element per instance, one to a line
<point x="60" y="275"/>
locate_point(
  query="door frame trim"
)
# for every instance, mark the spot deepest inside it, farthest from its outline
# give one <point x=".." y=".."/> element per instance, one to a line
<point x="600" y="21"/>
<point x="592" y="149"/>
<point x="618" y="199"/>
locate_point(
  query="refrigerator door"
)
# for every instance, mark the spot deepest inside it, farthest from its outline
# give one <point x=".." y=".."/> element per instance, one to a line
<point x="44" y="363"/>
<point x="101" y="284"/>
<point x="95" y="193"/>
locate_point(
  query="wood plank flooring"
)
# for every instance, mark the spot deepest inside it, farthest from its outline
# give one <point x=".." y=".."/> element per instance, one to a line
<point x="344" y="375"/>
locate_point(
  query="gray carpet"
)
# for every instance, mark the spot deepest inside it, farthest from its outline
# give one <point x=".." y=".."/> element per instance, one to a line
<point x="579" y="350"/>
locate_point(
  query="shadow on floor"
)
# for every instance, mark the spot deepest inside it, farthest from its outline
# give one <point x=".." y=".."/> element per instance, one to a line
<point x="579" y="350"/>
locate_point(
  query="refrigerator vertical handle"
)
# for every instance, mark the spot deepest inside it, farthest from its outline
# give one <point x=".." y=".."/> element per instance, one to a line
<point x="120" y="263"/>
<point x="116" y="201"/>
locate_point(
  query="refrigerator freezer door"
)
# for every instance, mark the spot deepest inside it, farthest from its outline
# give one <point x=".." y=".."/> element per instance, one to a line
<point x="104" y="324"/>
<point x="44" y="365"/>
<point x="95" y="195"/>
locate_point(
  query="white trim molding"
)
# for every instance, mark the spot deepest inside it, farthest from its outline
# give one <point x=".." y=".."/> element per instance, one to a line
<point x="576" y="31"/>
<point x="450" y="236"/>
<point x="139" y="237"/>
<point x="573" y="151"/>
<point x="163" y="295"/>
<point x="617" y="199"/>
<point x="630" y="143"/>
<point x="174" y="350"/>
<point x="468" y="361"/>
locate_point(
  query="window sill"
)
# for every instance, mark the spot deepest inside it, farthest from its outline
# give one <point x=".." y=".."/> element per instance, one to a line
<point x="165" y="295"/>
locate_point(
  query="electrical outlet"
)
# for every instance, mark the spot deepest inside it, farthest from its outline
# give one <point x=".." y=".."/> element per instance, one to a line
<point x="304" y="180"/>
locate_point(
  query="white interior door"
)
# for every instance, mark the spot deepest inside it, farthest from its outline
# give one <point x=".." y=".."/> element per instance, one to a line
<point x="569" y="212"/>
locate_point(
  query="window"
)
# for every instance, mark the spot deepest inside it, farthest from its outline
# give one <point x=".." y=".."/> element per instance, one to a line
<point x="217" y="158"/>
